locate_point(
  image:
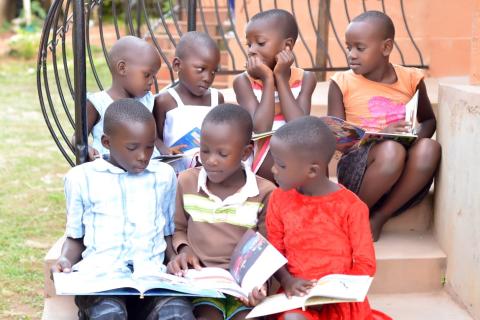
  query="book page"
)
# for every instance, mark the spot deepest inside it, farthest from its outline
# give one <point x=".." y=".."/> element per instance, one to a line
<point x="84" y="283"/>
<point x="341" y="286"/>
<point x="411" y="112"/>
<point x="254" y="261"/>
<point x="215" y="278"/>
<point x="346" y="134"/>
<point x="405" y="139"/>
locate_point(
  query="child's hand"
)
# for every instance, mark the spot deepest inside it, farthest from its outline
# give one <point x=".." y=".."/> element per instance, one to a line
<point x="61" y="265"/>
<point x="177" y="149"/>
<point x="179" y="265"/>
<point x="255" y="297"/>
<point x="284" y="60"/>
<point x="93" y="154"/>
<point x="398" y="127"/>
<point x="297" y="287"/>
<point x="257" y="69"/>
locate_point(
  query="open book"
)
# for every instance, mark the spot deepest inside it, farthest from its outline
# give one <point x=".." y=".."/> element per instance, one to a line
<point x="349" y="135"/>
<point x="333" y="288"/>
<point x="261" y="135"/>
<point x="169" y="158"/>
<point x="253" y="262"/>
<point x="127" y="283"/>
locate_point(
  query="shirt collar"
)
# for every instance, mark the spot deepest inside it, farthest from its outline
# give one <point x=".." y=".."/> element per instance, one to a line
<point x="249" y="189"/>
<point x="102" y="165"/>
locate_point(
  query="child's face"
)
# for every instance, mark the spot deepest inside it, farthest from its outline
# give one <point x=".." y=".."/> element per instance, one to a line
<point x="131" y="145"/>
<point x="365" y="47"/>
<point x="196" y="71"/>
<point x="289" y="169"/>
<point x="222" y="149"/>
<point x="139" y="74"/>
<point x="264" y="41"/>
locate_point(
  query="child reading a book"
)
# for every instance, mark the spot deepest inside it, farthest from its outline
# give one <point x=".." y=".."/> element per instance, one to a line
<point x="272" y="90"/>
<point x="217" y="203"/>
<point x="388" y="177"/>
<point x="119" y="212"/>
<point x="133" y="65"/>
<point x="319" y="226"/>
<point x="182" y="108"/>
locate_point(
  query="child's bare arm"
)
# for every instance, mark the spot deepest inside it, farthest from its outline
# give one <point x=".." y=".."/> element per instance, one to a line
<point x="292" y="108"/>
<point x="71" y="253"/>
<point x="425" y="114"/>
<point x="363" y="254"/>
<point x="336" y="107"/>
<point x="262" y="112"/>
<point x="293" y="286"/>
<point x="221" y="99"/>
<point x="159" y="111"/>
<point x="92" y="119"/>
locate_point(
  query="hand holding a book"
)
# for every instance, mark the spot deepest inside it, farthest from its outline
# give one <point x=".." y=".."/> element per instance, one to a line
<point x="255" y="297"/>
<point x="177" y="149"/>
<point x="398" y="127"/>
<point x="61" y="265"/>
<point x="185" y="258"/>
<point x="296" y="287"/>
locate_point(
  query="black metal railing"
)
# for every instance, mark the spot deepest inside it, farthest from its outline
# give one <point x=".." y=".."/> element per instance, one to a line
<point x="78" y="33"/>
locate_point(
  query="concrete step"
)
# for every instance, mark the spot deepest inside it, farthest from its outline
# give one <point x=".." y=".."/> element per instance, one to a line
<point x="436" y="305"/>
<point x="59" y="308"/>
<point x="408" y="262"/>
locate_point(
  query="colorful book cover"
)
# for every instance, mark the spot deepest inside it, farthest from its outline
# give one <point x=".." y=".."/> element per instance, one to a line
<point x="191" y="140"/>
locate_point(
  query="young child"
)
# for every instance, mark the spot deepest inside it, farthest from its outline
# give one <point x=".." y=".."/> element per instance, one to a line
<point x="119" y="212"/>
<point x="386" y="176"/>
<point x="217" y="203"/>
<point x="133" y="65"/>
<point x="272" y="90"/>
<point x="183" y="107"/>
<point x="320" y="227"/>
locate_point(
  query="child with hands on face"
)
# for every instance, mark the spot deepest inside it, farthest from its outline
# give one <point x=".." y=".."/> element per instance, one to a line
<point x="216" y="204"/>
<point x="388" y="177"/>
<point x="318" y="225"/>
<point x="272" y="90"/>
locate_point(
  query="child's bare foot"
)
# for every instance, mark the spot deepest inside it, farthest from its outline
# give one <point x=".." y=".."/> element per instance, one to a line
<point x="376" y="225"/>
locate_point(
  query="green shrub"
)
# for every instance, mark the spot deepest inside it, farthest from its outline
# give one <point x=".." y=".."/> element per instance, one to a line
<point x="24" y="44"/>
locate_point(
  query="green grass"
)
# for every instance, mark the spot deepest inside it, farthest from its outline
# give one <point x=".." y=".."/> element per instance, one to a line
<point x="31" y="192"/>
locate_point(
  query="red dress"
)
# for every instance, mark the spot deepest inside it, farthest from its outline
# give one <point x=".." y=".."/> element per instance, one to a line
<point x="322" y="235"/>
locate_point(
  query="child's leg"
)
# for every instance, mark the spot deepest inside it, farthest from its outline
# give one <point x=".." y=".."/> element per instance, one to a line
<point x="265" y="170"/>
<point x="384" y="166"/>
<point x="169" y="308"/>
<point x="206" y="312"/>
<point x="98" y="308"/>
<point x="421" y="164"/>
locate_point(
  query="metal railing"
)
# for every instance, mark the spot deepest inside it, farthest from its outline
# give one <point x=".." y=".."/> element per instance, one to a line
<point x="77" y="35"/>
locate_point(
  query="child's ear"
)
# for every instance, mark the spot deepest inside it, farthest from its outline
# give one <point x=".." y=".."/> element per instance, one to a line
<point x="314" y="170"/>
<point x="105" y="141"/>
<point x="247" y="151"/>
<point x="176" y="64"/>
<point x="387" y="47"/>
<point x="289" y="43"/>
<point x="121" y="67"/>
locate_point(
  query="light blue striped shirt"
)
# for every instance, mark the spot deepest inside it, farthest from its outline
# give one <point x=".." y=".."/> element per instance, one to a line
<point x="123" y="217"/>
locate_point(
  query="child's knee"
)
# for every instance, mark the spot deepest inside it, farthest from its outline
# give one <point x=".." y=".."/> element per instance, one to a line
<point x="426" y="155"/>
<point x="172" y="308"/>
<point x="106" y="308"/>
<point x="390" y="157"/>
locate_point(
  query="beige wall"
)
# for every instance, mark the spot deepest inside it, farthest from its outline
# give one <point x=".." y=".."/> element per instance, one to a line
<point x="442" y="30"/>
<point x="457" y="196"/>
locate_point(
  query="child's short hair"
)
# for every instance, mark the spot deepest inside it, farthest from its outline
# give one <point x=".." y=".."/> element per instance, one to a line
<point x="231" y="113"/>
<point x="127" y="46"/>
<point x="384" y="22"/>
<point x="308" y="135"/>
<point x="288" y="24"/>
<point x="125" y="110"/>
<point x="191" y="41"/>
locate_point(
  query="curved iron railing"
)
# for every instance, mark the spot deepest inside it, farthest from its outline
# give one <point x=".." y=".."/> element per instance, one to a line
<point x="77" y="35"/>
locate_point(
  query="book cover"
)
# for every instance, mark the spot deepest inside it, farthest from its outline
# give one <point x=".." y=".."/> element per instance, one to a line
<point x="191" y="140"/>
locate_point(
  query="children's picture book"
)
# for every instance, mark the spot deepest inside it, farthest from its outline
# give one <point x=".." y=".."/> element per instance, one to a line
<point x="126" y="283"/>
<point x="191" y="140"/>
<point x="333" y="288"/>
<point x="349" y="135"/>
<point x="253" y="262"/>
<point x="261" y="135"/>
